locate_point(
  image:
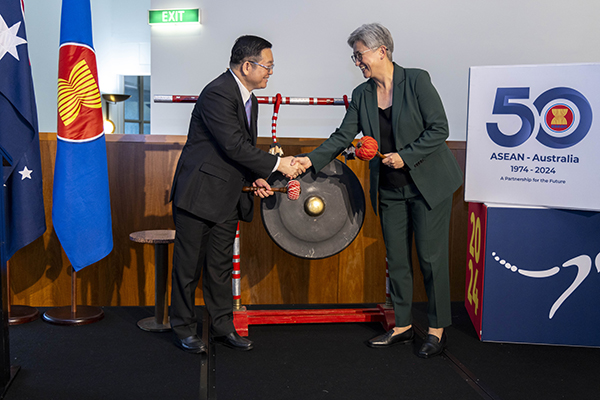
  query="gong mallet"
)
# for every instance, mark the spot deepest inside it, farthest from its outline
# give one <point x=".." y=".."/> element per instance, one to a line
<point x="367" y="148"/>
<point x="292" y="189"/>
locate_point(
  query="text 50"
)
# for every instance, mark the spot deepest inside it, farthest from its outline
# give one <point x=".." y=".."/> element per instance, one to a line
<point x="558" y="128"/>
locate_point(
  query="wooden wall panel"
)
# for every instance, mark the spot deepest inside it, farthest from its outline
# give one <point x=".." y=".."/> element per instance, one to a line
<point x="140" y="174"/>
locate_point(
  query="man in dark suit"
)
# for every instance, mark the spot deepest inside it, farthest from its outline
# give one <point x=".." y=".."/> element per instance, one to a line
<point x="218" y="159"/>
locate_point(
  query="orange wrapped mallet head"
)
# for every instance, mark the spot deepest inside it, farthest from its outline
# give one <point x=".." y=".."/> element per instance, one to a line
<point x="367" y="148"/>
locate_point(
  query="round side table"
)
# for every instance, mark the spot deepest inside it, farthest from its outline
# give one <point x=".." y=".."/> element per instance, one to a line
<point x="160" y="239"/>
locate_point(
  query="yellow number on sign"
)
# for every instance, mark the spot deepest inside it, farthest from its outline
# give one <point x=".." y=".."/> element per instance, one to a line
<point x="469" y="295"/>
<point x="475" y="294"/>
<point x="471" y="246"/>
<point x="475" y="252"/>
<point x="472" y="291"/>
<point x="475" y="243"/>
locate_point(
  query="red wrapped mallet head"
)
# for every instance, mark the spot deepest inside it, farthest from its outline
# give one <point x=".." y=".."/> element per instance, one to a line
<point x="293" y="189"/>
<point x="367" y="148"/>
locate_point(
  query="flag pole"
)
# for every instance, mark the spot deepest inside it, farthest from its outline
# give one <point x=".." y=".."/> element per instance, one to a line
<point x="7" y="373"/>
<point x="73" y="292"/>
<point x="18" y="314"/>
<point x="73" y="315"/>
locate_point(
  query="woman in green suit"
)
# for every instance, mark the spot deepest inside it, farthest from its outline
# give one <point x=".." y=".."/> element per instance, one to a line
<point x="411" y="187"/>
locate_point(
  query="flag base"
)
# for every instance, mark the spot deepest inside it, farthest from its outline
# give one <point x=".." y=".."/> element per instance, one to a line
<point x="150" y="324"/>
<point x="22" y="314"/>
<point x="82" y="315"/>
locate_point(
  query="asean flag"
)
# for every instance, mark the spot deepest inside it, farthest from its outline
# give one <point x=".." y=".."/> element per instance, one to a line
<point x="81" y="201"/>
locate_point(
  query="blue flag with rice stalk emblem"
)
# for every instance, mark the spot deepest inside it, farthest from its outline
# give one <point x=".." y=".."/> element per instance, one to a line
<point x="81" y="201"/>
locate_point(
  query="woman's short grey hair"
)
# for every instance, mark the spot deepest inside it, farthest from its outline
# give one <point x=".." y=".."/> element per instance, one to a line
<point x="373" y="36"/>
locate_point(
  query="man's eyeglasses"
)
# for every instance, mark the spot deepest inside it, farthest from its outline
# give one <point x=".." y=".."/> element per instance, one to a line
<point x="270" y="69"/>
<point x="358" y="56"/>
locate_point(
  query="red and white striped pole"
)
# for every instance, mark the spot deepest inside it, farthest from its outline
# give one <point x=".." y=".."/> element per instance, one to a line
<point x="236" y="276"/>
<point x="299" y="101"/>
<point x="275" y="148"/>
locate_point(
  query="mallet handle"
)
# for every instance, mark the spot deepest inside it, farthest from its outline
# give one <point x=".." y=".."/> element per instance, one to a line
<point x="254" y="189"/>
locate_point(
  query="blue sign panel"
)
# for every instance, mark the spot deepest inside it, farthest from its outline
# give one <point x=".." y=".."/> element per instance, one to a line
<point x="542" y="277"/>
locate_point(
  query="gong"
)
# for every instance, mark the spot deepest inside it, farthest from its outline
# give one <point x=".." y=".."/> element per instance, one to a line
<point x="324" y="220"/>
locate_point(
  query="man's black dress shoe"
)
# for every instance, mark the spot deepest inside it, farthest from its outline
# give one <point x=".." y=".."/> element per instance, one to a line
<point x="191" y="344"/>
<point x="388" y="339"/>
<point x="432" y="346"/>
<point x="235" y="341"/>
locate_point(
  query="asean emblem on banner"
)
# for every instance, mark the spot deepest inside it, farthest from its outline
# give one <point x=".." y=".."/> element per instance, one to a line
<point x="79" y="100"/>
<point x="559" y="118"/>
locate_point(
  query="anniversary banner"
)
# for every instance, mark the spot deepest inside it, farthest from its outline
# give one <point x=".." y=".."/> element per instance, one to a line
<point x="532" y="138"/>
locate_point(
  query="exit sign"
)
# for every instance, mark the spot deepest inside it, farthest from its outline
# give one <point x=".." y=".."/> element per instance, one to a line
<point x="183" y="16"/>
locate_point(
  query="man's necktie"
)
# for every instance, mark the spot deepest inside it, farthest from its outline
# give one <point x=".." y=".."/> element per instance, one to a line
<point x="249" y="110"/>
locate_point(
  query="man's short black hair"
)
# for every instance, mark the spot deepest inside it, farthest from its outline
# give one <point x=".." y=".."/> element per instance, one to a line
<point x="248" y="47"/>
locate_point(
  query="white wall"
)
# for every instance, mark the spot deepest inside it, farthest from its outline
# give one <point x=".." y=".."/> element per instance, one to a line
<point x="312" y="57"/>
<point x="121" y="40"/>
<point x="309" y="45"/>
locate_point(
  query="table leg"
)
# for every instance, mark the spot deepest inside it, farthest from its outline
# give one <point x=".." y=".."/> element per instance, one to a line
<point x="160" y="321"/>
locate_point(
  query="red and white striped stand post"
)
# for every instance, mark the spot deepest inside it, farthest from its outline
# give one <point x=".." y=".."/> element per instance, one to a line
<point x="242" y="317"/>
<point x="236" y="276"/>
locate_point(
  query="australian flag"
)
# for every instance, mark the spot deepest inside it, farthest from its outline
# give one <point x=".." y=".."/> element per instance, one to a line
<point x="23" y="217"/>
<point x="81" y="200"/>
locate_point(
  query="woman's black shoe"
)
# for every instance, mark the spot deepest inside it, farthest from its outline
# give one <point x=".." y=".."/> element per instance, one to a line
<point x="432" y="346"/>
<point x="388" y="339"/>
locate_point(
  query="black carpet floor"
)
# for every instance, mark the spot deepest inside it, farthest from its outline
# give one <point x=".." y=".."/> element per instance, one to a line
<point x="114" y="359"/>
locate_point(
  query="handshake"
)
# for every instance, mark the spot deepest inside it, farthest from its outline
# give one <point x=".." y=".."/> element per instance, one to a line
<point x="291" y="167"/>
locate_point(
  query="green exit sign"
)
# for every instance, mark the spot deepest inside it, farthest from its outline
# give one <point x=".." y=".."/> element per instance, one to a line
<point x="183" y="16"/>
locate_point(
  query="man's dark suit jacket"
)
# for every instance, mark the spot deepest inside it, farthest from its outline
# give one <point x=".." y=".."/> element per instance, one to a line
<point x="220" y="155"/>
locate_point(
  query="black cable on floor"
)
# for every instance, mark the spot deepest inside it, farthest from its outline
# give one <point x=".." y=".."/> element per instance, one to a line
<point x="462" y="370"/>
